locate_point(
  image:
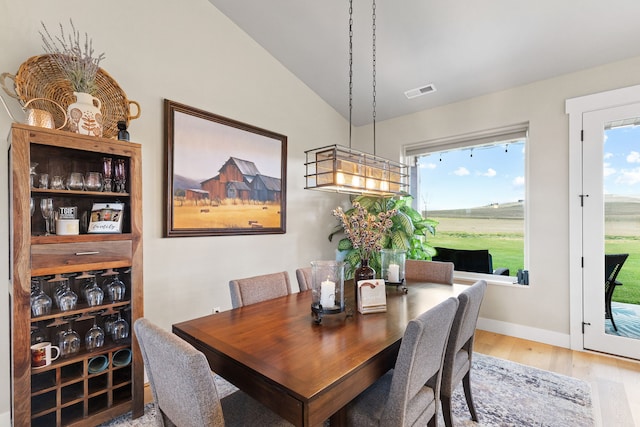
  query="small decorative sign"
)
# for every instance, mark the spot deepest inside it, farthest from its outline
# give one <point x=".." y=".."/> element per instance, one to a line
<point x="106" y="218"/>
<point x="373" y="297"/>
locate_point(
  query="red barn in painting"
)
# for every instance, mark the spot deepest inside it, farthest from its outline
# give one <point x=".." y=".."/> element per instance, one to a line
<point x="240" y="179"/>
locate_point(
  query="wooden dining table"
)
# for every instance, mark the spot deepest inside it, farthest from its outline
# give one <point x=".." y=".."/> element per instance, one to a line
<point x="304" y="371"/>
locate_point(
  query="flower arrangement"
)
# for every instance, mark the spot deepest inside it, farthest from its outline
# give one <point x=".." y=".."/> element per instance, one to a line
<point x="75" y="59"/>
<point x="365" y="231"/>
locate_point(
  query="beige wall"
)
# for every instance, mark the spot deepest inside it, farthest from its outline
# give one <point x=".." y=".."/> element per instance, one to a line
<point x="190" y="53"/>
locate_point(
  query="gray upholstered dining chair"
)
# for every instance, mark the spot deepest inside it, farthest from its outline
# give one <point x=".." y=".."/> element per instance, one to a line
<point x="409" y="394"/>
<point x="459" y="353"/>
<point x="183" y="387"/>
<point x="259" y="288"/>
<point x="429" y="271"/>
<point x="304" y="278"/>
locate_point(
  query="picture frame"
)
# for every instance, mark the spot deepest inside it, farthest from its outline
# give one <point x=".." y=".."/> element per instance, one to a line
<point x="222" y="177"/>
<point x="106" y="218"/>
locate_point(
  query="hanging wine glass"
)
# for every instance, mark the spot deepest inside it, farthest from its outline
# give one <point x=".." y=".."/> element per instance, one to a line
<point x="46" y="207"/>
<point x="32" y="205"/>
<point x="94" y="338"/>
<point x="114" y="288"/>
<point x="65" y="298"/>
<point x="87" y="281"/>
<point x="38" y="335"/>
<point x="40" y="301"/>
<point x="69" y="341"/>
<point x="120" y="330"/>
<point x="108" y="323"/>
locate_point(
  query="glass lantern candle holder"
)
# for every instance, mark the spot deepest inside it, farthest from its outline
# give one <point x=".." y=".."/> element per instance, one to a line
<point x="392" y="270"/>
<point x="327" y="285"/>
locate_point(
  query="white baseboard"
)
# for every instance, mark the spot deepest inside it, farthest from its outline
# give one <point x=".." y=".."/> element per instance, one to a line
<point x="5" y="419"/>
<point x="525" y="332"/>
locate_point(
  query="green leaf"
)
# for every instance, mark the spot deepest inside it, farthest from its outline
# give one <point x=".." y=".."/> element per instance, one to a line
<point x="403" y="222"/>
<point x="344" y="244"/>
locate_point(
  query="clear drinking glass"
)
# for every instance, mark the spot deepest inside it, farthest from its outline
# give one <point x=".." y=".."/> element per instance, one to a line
<point x="69" y="341"/>
<point x="121" y="176"/>
<point x="94" y="338"/>
<point x="40" y="301"/>
<point x="114" y="288"/>
<point x="57" y="183"/>
<point x="75" y="181"/>
<point x="120" y="331"/>
<point x="46" y="207"/>
<point x="44" y="181"/>
<point x="93" y="181"/>
<point x="107" y="173"/>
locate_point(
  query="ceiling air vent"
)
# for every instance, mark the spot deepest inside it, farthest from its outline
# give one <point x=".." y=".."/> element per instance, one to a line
<point x="419" y="91"/>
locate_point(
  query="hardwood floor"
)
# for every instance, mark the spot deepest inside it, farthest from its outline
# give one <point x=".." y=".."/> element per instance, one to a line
<point x="615" y="382"/>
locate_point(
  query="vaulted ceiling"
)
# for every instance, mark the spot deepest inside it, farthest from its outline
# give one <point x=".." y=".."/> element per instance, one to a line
<point x="465" y="48"/>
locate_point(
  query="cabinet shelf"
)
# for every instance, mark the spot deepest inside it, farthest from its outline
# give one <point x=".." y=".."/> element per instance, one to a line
<point x="48" y="192"/>
<point x="82" y="309"/>
<point x="65" y="393"/>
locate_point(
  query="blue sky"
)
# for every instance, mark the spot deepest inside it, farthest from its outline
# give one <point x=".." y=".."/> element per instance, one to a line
<point x="471" y="178"/>
<point x="622" y="161"/>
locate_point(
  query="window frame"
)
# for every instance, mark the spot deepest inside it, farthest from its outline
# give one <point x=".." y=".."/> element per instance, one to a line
<point x="411" y="152"/>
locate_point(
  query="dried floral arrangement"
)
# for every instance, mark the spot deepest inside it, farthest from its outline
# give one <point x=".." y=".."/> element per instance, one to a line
<point x="364" y="230"/>
<point x="75" y="58"/>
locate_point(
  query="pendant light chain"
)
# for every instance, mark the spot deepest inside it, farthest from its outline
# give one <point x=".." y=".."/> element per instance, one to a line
<point x="373" y="16"/>
<point x="350" y="66"/>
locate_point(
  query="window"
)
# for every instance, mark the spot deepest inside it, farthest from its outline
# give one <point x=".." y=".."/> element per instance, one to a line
<point x="474" y="186"/>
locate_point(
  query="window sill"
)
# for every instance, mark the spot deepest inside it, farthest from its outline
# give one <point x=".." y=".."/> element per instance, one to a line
<point x="468" y="278"/>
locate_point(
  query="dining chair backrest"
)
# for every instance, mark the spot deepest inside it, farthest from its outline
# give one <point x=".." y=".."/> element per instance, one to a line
<point x="255" y="289"/>
<point x="304" y="278"/>
<point x="180" y="378"/>
<point x="459" y="352"/>
<point x="415" y="385"/>
<point x="429" y="271"/>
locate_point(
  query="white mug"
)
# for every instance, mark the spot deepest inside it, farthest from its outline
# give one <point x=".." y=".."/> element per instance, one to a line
<point x="41" y="354"/>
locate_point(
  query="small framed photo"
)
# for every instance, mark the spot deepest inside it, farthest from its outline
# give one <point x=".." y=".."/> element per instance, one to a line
<point x="106" y="218"/>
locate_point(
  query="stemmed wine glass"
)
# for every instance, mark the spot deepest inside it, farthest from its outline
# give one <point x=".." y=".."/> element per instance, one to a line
<point x="94" y="338"/>
<point x="120" y="329"/>
<point x="106" y="173"/>
<point x="32" y="206"/>
<point x="69" y="341"/>
<point x="121" y="176"/>
<point x="46" y="207"/>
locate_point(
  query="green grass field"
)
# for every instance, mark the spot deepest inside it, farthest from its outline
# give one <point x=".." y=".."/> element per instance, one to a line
<point x="506" y="246"/>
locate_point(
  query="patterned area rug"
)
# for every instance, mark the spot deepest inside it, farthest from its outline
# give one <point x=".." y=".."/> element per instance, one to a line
<point x="506" y="394"/>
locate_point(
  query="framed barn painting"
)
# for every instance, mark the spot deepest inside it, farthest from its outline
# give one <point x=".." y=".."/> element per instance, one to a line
<point x="223" y="177"/>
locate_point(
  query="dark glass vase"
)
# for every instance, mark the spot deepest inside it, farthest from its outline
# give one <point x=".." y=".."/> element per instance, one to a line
<point x="364" y="272"/>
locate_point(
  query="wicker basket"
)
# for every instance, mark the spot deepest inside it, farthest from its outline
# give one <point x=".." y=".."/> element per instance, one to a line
<point x="40" y="77"/>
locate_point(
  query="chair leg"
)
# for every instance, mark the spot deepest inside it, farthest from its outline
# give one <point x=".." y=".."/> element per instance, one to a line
<point x="466" y="384"/>
<point x="615" y="328"/>
<point x="446" y="411"/>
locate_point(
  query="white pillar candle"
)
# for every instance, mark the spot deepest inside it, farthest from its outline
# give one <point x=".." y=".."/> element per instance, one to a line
<point x="394" y="273"/>
<point x="328" y="293"/>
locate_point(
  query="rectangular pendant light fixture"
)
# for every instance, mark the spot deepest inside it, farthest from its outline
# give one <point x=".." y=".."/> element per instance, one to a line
<point x="341" y="169"/>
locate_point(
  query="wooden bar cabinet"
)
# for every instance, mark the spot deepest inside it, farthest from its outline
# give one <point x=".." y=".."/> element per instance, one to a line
<point x="72" y="391"/>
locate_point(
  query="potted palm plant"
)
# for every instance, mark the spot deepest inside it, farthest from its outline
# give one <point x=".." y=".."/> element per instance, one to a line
<point x="408" y="232"/>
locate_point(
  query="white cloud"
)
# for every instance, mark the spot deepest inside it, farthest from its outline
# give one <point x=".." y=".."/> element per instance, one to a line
<point x="629" y="177"/>
<point x="461" y="171"/>
<point x="633" y="157"/>
<point x="518" y="181"/>
<point x="430" y="166"/>
<point x="490" y="173"/>
<point x="608" y="155"/>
